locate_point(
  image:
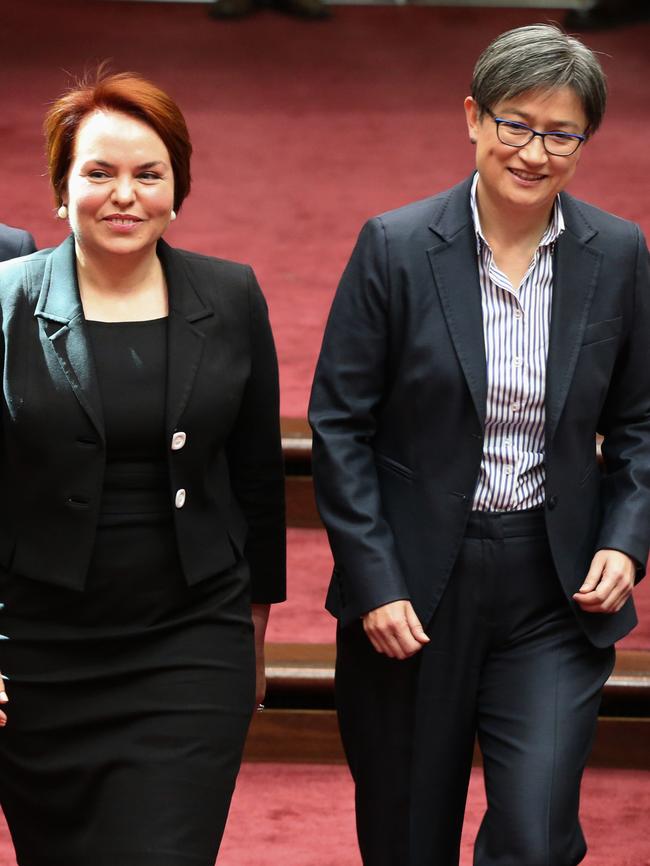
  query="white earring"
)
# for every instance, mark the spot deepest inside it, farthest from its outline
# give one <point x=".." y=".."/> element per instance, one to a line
<point x="172" y="215"/>
<point x="62" y="212"/>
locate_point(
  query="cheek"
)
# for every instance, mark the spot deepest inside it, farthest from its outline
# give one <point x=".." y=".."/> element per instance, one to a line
<point x="158" y="202"/>
<point x="85" y="200"/>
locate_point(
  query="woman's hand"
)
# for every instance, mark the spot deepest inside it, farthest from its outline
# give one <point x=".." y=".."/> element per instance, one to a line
<point x="394" y="629"/>
<point x="3" y="700"/>
<point x="260" y="615"/>
<point x="609" y="582"/>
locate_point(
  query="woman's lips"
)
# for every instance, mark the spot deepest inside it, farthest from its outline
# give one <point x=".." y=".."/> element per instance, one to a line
<point x="526" y="177"/>
<point x="122" y="223"/>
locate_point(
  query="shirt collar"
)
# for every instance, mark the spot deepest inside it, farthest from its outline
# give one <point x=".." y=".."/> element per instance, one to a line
<point x="553" y="230"/>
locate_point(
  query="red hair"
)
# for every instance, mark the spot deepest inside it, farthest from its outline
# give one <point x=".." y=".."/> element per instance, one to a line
<point x="128" y="94"/>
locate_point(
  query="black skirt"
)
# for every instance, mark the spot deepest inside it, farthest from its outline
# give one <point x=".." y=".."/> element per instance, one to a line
<point x="128" y="707"/>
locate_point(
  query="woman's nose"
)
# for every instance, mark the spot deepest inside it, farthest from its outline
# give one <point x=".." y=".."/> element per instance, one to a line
<point x="123" y="190"/>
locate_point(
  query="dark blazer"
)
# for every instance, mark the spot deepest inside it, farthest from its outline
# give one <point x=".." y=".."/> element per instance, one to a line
<point x="399" y="400"/>
<point x="222" y="392"/>
<point x="14" y="243"/>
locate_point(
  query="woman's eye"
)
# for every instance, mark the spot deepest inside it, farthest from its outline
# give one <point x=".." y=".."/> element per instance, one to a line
<point x="149" y="175"/>
<point x="98" y="174"/>
<point x="516" y="129"/>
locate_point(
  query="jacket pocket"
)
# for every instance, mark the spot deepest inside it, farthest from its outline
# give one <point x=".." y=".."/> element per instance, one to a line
<point x="598" y="332"/>
<point x="394" y="466"/>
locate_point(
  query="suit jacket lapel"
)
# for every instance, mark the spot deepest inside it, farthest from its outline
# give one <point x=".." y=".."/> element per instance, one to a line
<point x="455" y="271"/>
<point x="576" y="269"/>
<point x="185" y="336"/>
<point x="62" y="323"/>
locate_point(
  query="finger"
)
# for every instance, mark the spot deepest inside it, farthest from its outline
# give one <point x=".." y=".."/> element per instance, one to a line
<point x="4" y="698"/>
<point x="594" y="574"/>
<point x="416" y="626"/>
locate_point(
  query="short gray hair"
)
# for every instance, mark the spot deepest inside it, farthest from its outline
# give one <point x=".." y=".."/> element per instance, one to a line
<point x="540" y="57"/>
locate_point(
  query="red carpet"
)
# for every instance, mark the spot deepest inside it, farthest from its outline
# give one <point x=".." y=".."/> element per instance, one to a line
<point x="302" y="130"/>
<point x="303" y="619"/>
<point x="298" y="815"/>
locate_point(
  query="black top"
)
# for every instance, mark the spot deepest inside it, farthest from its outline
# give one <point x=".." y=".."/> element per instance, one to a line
<point x="131" y="366"/>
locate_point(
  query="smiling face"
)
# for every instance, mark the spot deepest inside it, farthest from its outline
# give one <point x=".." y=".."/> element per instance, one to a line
<point x="527" y="179"/>
<point x="120" y="189"/>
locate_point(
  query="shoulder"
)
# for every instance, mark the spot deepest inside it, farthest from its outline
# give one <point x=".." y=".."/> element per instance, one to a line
<point x="208" y="268"/>
<point x="584" y="218"/>
<point x="413" y="222"/>
<point x="24" y="275"/>
<point x="15" y="242"/>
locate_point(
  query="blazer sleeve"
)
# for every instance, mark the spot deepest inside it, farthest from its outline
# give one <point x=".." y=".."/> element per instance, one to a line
<point x="347" y="393"/>
<point x="625" y="424"/>
<point x="27" y="245"/>
<point x="254" y="451"/>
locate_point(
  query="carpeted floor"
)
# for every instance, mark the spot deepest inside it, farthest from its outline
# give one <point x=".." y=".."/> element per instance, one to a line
<point x="270" y="825"/>
<point x="301" y="130"/>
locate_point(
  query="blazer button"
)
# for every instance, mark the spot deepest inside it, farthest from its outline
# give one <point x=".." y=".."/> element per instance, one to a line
<point x="179" y="499"/>
<point x="551" y="503"/>
<point x="178" y="440"/>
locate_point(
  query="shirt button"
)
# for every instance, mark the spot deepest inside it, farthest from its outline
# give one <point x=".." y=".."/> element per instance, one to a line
<point x="515" y="407"/>
<point x="507" y="443"/>
<point x="518" y="314"/>
<point x="507" y="470"/>
<point x="178" y="440"/>
<point x="517" y="361"/>
<point x="179" y="499"/>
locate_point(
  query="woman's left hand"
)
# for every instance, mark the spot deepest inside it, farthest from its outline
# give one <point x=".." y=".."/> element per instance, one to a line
<point x="260" y="614"/>
<point x="609" y="582"/>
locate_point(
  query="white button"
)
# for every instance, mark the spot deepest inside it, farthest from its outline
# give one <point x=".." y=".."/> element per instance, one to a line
<point x="507" y="443"/>
<point x="178" y="440"/>
<point x="507" y="470"/>
<point x="515" y="407"/>
<point x="518" y="314"/>
<point x="179" y="500"/>
<point x="517" y="361"/>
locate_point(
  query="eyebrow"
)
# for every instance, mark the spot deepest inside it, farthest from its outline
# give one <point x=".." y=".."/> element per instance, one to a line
<point x="554" y="125"/>
<point x="142" y="167"/>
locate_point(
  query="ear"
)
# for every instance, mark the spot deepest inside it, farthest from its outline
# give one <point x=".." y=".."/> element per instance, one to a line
<point x="472" y="117"/>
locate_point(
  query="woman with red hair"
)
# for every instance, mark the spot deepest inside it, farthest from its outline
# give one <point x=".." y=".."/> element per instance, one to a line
<point x="142" y="526"/>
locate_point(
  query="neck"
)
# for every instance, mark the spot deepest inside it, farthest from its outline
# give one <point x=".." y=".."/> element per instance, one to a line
<point x="116" y="274"/>
<point x="513" y="226"/>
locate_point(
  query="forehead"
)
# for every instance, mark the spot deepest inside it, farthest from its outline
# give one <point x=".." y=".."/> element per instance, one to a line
<point x="101" y="133"/>
<point x="558" y="105"/>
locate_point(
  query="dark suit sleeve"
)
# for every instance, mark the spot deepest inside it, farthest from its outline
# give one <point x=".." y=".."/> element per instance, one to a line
<point x="255" y="461"/>
<point x="348" y="389"/>
<point x="625" y="424"/>
<point x="28" y="245"/>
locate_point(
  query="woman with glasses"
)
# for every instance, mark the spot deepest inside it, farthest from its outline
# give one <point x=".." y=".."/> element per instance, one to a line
<point x="478" y="342"/>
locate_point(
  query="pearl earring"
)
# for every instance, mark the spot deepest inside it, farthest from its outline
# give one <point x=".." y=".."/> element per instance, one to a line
<point x="62" y="212"/>
<point x="172" y="215"/>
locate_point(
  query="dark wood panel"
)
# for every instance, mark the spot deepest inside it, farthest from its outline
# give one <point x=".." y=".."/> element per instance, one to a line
<point x="311" y="736"/>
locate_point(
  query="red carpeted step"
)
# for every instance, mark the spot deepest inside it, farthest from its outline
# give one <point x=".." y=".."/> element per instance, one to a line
<point x="302" y="815"/>
<point x="303" y="620"/>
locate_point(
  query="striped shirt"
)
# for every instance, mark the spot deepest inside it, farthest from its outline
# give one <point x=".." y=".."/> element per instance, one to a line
<point x="516" y="322"/>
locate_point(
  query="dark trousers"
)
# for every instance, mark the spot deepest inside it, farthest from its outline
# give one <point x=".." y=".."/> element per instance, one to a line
<point x="507" y="662"/>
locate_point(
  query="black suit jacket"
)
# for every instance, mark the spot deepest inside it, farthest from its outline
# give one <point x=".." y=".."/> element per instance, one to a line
<point x="399" y="400"/>
<point x="222" y="391"/>
<point x="14" y="243"/>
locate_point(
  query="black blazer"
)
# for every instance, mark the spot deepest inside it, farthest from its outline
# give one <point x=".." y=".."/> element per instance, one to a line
<point x="222" y="392"/>
<point x="14" y="243"/>
<point x="399" y="400"/>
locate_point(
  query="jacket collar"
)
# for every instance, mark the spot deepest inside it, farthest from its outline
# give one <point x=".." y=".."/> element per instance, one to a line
<point x="60" y="312"/>
<point x="454" y="267"/>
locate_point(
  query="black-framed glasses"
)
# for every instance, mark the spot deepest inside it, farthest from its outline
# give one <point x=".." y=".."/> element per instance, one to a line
<point x="516" y="134"/>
